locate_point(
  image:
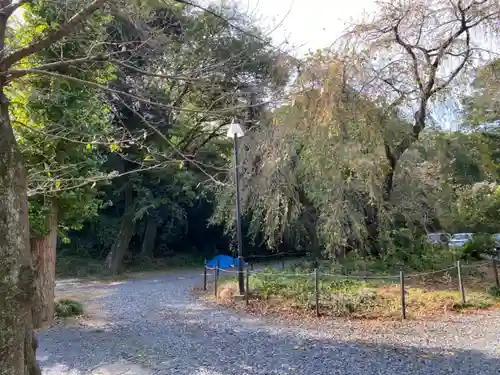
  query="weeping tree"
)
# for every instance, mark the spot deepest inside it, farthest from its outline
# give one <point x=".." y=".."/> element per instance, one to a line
<point x="481" y="105"/>
<point x="413" y="55"/>
<point x="337" y="158"/>
<point x="312" y="172"/>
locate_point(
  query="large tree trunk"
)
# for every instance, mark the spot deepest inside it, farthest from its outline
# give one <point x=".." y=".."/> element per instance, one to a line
<point x="43" y="249"/>
<point x="17" y="341"/>
<point x="148" y="242"/>
<point x="114" y="260"/>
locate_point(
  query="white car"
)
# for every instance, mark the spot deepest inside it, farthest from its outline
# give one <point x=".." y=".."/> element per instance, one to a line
<point x="439" y="238"/>
<point x="459" y="239"/>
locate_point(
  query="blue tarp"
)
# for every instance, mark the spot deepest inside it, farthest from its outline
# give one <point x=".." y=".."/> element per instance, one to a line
<point x="224" y="262"/>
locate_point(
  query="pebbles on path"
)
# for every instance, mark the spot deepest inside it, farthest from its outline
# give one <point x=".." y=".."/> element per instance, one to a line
<point x="156" y="327"/>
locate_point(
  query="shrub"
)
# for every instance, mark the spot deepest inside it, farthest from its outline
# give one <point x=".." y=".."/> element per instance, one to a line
<point x="272" y="283"/>
<point x="494" y="291"/>
<point x="480" y="244"/>
<point x="68" y="307"/>
<point x="420" y="256"/>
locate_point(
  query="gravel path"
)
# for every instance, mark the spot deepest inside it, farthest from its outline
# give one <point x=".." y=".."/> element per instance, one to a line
<point x="154" y="326"/>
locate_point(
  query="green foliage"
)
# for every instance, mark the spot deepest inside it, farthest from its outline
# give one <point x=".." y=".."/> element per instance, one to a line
<point x="315" y="169"/>
<point x="413" y="253"/>
<point x="481" y="106"/>
<point x="341" y="297"/>
<point x="494" y="291"/>
<point x="476" y="209"/>
<point x="57" y="122"/>
<point x="68" y="307"/>
<point x="481" y="243"/>
<point x="272" y="283"/>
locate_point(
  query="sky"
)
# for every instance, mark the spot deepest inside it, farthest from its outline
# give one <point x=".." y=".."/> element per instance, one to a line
<point x="313" y="24"/>
<point x="307" y="24"/>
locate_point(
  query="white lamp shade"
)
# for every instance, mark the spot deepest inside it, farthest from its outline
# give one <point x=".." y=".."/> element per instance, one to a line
<point x="235" y="130"/>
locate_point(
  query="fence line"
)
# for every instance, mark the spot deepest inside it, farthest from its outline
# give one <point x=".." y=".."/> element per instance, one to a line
<point x="317" y="275"/>
<point x="420" y="274"/>
<point x="367" y="277"/>
<point x="359" y="277"/>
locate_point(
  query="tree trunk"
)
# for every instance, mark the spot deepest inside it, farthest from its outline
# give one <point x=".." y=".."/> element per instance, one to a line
<point x="17" y="341"/>
<point x="114" y="260"/>
<point x="43" y="250"/>
<point x="148" y="243"/>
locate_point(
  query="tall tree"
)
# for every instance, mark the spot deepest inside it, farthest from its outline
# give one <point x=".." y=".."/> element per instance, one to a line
<point x="355" y="114"/>
<point x="412" y="54"/>
<point x="57" y="125"/>
<point x="222" y="63"/>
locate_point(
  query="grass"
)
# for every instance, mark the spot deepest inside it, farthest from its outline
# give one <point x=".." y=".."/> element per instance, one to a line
<point x="66" y="307"/>
<point x="275" y="291"/>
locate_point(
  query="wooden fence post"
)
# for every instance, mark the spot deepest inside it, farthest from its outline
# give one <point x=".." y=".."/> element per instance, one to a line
<point x="247" y="292"/>
<point x="403" y="294"/>
<point x="495" y="272"/>
<point x="216" y="279"/>
<point x="460" y="283"/>
<point x="316" y="290"/>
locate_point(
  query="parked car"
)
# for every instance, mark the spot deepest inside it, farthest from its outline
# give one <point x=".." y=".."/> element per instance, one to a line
<point x="439" y="238"/>
<point x="459" y="239"/>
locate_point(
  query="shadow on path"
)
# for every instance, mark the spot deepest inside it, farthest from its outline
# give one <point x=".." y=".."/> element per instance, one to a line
<point x="178" y="335"/>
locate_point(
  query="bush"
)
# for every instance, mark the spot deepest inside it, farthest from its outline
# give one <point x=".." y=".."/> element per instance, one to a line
<point x="421" y="256"/>
<point x="272" y="283"/>
<point x="480" y="244"/>
<point x="68" y="307"/>
<point x="494" y="291"/>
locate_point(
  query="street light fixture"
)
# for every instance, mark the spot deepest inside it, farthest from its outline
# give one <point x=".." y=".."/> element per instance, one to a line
<point x="235" y="131"/>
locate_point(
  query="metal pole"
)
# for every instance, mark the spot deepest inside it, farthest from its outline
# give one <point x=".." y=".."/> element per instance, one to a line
<point x="216" y="278"/>
<point x="403" y="294"/>
<point x="460" y="282"/>
<point x="241" y="281"/>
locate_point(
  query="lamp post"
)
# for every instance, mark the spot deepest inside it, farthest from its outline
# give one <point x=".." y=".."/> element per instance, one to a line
<point x="236" y="132"/>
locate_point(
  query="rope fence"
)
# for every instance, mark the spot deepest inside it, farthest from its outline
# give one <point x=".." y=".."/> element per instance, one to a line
<point x="315" y="294"/>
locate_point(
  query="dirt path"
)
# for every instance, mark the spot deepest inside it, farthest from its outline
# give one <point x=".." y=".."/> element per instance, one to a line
<point x="154" y="326"/>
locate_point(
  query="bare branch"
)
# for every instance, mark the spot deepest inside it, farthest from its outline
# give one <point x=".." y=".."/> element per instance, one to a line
<point x="227" y="110"/>
<point x="409" y="49"/>
<point x="53" y="36"/>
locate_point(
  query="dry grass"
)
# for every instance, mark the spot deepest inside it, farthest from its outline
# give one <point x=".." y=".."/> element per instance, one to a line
<point x="428" y="297"/>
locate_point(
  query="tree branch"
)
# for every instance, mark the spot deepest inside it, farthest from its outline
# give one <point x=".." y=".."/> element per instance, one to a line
<point x="53" y="36"/>
<point x="409" y="49"/>
<point x="11" y="7"/>
<point x="118" y="92"/>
